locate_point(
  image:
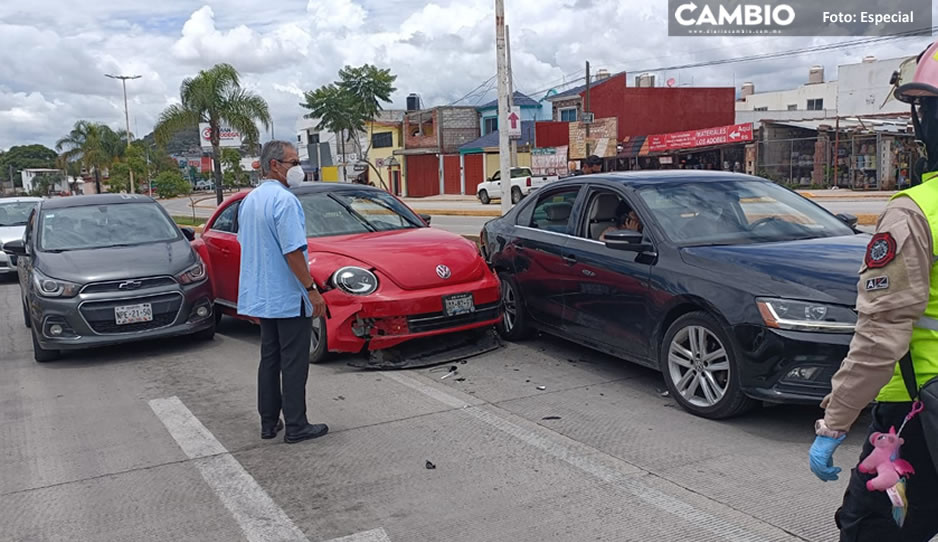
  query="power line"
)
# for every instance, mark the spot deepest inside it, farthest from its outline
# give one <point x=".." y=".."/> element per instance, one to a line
<point x="487" y="81"/>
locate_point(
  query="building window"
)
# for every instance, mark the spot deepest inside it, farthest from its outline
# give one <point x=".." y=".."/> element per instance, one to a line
<point x="816" y="104"/>
<point x="792" y="107"/>
<point x="568" y="114"/>
<point x="489" y="125"/>
<point x="765" y="108"/>
<point x="382" y="140"/>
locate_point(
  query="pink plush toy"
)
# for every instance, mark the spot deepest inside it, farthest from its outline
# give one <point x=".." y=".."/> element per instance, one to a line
<point x="888" y="470"/>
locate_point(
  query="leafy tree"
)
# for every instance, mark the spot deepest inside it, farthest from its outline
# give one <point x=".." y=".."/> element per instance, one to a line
<point x="94" y="145"/>
<point x="234" y="174"/>
<point x="44" y="184"/>
<point x="25" y="156"/>
<point x="346" y="106"/>
<point x="170" y="184"/>
<point x="133" y="160"/>
<point x="214" y="96"/>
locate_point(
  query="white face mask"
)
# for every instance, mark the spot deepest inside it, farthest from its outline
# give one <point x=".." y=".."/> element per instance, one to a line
<point x="295" y="176"/>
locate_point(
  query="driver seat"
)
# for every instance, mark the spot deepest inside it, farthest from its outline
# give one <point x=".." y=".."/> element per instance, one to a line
<point x="602" y="214"/>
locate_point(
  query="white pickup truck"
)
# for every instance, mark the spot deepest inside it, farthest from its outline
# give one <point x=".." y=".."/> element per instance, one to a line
<point x="522" y="182"/>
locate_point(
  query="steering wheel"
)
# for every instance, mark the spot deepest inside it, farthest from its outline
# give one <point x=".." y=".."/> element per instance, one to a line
<point x="763" y="221"/>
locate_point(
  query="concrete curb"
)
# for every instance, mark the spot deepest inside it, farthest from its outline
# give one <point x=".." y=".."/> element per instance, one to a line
<point x="867" y="219"/>
<point x="459" y="212"/>
<point x="849" y="196"/>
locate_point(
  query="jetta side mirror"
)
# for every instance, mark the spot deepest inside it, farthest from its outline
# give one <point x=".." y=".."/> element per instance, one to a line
<point x="848" y="219"/>
<point x="626" y="240"/>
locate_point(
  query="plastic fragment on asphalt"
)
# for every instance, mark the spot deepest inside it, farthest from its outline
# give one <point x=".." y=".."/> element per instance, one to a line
<point x="542" y="388"/>
<point x="551" y="418"/>
<point x="430" y="465"/>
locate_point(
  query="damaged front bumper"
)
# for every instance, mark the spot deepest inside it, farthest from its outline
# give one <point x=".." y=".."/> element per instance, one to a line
<point x="431" y="351"/>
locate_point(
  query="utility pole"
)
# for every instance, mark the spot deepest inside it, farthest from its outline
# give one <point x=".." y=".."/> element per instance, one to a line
<point x="511" y="95"/>
<point x="504" y="152"/>
<point x="123" y="80"/>
<point x="586" y="108"/>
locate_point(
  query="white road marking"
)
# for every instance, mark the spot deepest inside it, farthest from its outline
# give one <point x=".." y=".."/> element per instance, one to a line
<point x="256" y="513"/>
<point x="725" y="529"/>
<point x="375" y="535"/>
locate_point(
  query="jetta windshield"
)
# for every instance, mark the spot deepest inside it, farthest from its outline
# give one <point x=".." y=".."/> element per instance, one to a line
<point x="737" y="212"/>
<point x="101" y="226"/>
<point x="348" y="212"/>
<point x="16" y="213"/>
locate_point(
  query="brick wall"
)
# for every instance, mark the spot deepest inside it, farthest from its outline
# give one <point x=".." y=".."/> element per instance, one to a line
<point x="428" y="139"/>
<point x="460" y="125"/>
<point x="575" y="101"/>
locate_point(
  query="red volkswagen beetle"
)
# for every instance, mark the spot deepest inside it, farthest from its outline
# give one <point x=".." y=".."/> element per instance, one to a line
<point x="386" y="276"/>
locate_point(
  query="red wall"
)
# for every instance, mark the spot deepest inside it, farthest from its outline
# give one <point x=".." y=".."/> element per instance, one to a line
<point x="552" y="134"/>
<point x="646" y="111"/>
<point x="475" y="172"/>
<point x="451" y="174"/>
<point x="423" y="177"/>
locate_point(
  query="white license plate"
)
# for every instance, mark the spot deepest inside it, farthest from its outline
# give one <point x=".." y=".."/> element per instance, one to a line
<point x="133" y="314"/>
<point x="458" y="304"/>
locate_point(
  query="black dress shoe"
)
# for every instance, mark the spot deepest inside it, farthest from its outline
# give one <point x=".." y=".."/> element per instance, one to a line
<point x="311" y="431"/>
<point x="270" y="433"/>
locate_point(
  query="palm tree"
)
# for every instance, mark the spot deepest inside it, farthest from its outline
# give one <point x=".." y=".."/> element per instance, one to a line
<point x="214" y="96"/>
<point x="95" y="146"/>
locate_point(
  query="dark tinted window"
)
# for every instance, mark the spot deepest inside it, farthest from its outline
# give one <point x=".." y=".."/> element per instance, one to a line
<point x="382" y="140"/>
<point x="554" y="210"/>
<point x="227" y="221"/>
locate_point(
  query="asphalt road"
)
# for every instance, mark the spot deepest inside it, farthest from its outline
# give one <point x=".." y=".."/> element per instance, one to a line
<point x="159" y="441"/>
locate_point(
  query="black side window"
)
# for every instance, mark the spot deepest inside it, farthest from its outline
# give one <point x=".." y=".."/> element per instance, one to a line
<point x="28" y="235"/>
<point x="227" y="221"/>
<point x="554" y="211"/>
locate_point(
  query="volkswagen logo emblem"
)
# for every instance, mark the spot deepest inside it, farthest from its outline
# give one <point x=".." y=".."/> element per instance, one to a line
<point x="129" y="285"/>
<point x="443" y="272"/>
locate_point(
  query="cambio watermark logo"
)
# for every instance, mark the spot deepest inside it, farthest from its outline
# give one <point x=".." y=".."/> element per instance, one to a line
<point x="798" y="17"/>
<point x="745" y="15"/>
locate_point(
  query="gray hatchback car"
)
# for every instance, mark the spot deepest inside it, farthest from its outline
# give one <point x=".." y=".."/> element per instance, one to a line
<point x="107" y="269"/>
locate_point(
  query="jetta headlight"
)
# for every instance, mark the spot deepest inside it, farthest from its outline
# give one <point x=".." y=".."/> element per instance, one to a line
<point x="355" y="280"/>
<point x="193" y="274"/>
<point x="806" y="316"/>
<point x="50" y="287"/>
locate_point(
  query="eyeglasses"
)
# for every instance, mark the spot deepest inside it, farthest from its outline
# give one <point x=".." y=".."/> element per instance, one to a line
<point x="292" y="163"/>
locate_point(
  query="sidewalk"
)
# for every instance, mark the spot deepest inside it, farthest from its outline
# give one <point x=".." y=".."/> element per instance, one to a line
<point x="847" y="194"/>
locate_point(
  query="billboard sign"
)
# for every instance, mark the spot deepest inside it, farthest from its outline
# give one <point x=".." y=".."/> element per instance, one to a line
<point x="227" y="137"/>
<point x="602" y="138"/>
<point x="720" y="135"/>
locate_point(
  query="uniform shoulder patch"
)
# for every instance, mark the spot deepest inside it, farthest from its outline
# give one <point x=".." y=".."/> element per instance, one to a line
<point x="881" y="250"/>
<point x="877" y="283"/>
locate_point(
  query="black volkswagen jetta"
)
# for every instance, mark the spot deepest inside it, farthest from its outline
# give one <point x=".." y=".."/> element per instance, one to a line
<point x="736" y="288"/>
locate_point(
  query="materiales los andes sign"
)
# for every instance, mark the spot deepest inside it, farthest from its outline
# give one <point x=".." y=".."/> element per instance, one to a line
<point x="720" y="135"/>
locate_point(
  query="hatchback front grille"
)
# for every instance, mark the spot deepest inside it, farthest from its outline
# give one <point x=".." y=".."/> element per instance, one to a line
<point x="100" y="314"/>
<point x="129" y="285"/>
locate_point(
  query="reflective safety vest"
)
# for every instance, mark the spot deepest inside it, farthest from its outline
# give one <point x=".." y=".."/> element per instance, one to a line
<point x="924" y="344"/>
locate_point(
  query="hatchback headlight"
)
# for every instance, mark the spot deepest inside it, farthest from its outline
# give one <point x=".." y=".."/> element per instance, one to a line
<point x="50" y="287"/>
<point x="355" y="280"/>
<point x="806" y="316"/>
<point x="194" y="274"/>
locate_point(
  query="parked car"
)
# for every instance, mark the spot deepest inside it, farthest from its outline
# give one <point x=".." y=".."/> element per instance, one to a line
<point x="523" y="181"/>
<point x="203" y="184"/>
<point x="387" y="277"/>
<point x="107" y="269"/>
<point x="14" y="213"/>
<point x="736" y="288"/>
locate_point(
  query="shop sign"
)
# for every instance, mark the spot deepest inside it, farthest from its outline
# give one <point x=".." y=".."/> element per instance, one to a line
<point x="665" y="160"/>
<point x="549" y="161"/>
<point x="720" y="135"/>
<point x="602" y="138"/>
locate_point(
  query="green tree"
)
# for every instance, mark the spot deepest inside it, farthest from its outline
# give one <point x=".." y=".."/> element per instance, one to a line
<point x="345" y="106"/>
<point x="94" y="145"/>
<point x="25" y="156"/>
<point x="214" y="96"/>
<point x="234" y="174"/>
<point x="170" y="184"/>
<point x="133" y="160"/>
<point x="44" y="184"/>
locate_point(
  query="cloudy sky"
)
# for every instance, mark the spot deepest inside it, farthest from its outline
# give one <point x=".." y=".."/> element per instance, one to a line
<point x="54" y="53"/>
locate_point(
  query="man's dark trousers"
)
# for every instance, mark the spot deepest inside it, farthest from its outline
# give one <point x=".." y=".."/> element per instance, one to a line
<point x="867" y="515"/>
<point x="284" y="362"/>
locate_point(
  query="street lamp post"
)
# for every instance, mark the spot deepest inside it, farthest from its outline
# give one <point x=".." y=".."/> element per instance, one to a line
<point x="123" y="80"/>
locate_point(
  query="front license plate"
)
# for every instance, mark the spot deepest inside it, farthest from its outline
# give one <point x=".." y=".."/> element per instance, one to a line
<point x="458" y="304"/>
<point x="133" y="314"/>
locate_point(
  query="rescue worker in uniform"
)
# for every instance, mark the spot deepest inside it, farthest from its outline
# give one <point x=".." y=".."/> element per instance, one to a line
<point x="897" y="306"/>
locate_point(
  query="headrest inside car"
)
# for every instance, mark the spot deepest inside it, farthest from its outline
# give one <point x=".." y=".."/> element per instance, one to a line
<point x="558" y="211"/>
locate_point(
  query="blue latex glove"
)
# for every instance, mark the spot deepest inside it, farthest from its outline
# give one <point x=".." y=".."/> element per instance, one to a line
<point x="822" y="457"/>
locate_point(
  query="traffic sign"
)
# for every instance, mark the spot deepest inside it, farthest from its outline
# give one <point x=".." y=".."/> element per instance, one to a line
<point x="588" y="118"/>
<point x="514" y="122"/>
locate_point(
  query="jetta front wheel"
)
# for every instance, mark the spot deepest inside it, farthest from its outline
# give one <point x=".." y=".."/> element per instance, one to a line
<point x="700" y="368"/>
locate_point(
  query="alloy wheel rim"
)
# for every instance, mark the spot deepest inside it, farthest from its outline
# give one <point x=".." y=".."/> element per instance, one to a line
<point x="509" y="312"/>
<point x="316" y="336"/>
<point x="699" y="366"/>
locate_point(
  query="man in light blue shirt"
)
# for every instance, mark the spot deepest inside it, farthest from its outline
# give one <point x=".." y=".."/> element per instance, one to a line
<point x="275" y="287"/>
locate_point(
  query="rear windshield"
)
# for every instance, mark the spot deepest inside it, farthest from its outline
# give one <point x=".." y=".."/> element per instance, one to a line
<point x="101" y="226"/>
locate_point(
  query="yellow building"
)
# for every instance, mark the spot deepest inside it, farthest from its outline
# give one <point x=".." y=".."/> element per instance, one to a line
<point x="385" y="135"/>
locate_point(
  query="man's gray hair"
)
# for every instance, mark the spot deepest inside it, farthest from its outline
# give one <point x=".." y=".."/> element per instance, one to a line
<point x="272" y="150"/>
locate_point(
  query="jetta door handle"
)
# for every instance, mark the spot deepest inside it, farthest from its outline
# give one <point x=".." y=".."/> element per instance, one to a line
<point x="570" y="259"/>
